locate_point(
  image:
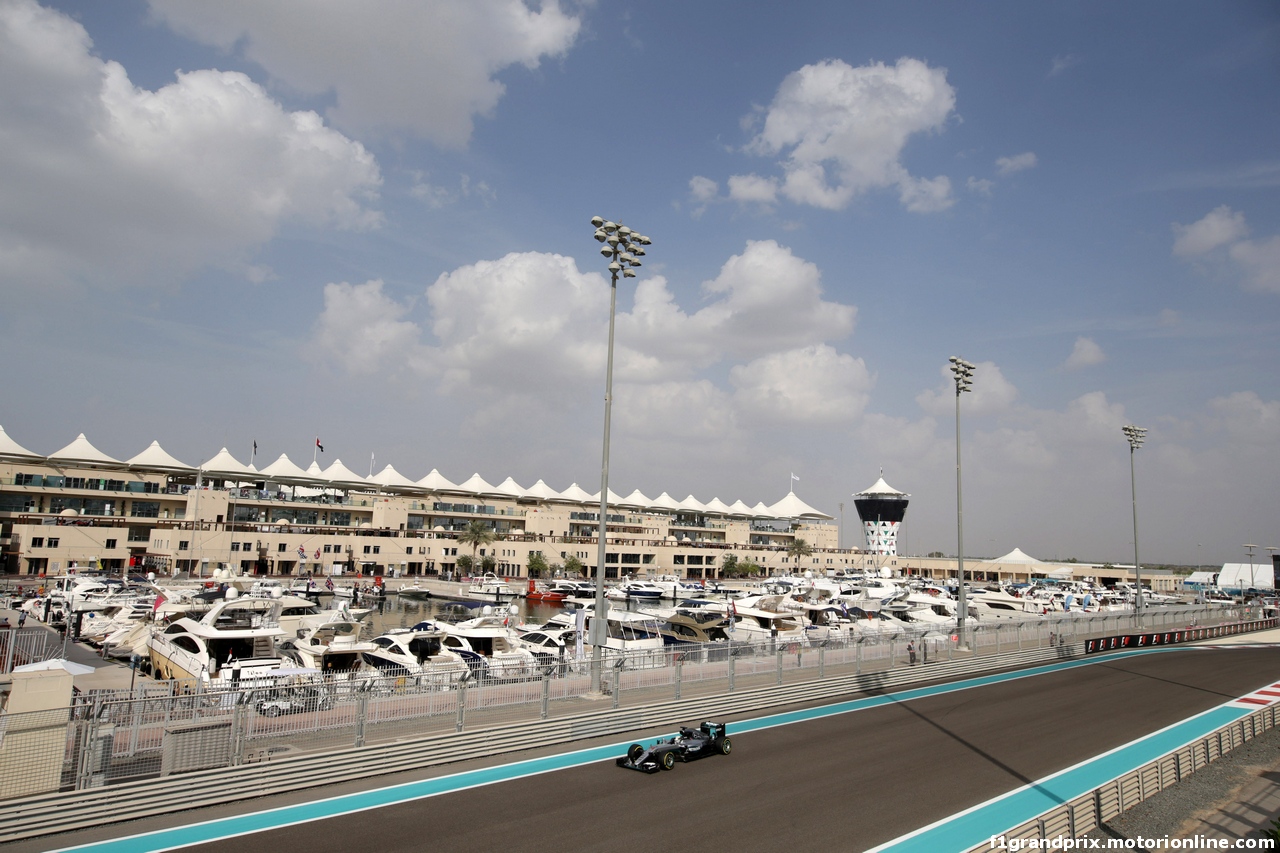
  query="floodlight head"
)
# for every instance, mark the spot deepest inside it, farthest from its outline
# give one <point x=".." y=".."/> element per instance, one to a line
<point x="615" y="266"/>
<point x="624" y="231"/>
<point x="609" y="226"/>
<point x="600" y="235"/>
<point x="607" y="251"/>
<point x="597" y="221"/>
<point x="644" y="240"/>
<point x="628" y="274"/>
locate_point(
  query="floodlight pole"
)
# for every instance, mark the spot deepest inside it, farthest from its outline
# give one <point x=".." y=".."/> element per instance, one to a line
<point x="621" y="247"/>
<point x="963" y="371"/>
<point x="1136" y="435"/>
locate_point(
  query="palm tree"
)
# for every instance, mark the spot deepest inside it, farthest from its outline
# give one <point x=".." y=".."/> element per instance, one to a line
<point x="799" y="548"/>
<point x="477" y="533"/>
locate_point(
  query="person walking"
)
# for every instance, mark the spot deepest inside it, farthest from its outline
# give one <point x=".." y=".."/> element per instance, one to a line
<point x="911" y="652"/>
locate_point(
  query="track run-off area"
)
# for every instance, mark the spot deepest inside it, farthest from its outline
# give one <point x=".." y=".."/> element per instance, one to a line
<point x="933" y="768"/>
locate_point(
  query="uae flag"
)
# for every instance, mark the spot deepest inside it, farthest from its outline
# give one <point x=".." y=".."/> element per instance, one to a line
<point x="319" y="445"/>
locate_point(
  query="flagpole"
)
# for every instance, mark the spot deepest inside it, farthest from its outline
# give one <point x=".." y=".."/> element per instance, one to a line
<point x="315" y="450"/>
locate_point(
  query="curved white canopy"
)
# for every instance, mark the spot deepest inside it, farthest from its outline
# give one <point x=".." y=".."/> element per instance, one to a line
<point x="739" y="508"/>
<point x="665" y="501"/>
<point x="340" y="475"/>
<point x="792" y="507"/>
<point x="509" y="488"/>
<point x="692" y="504"/>
<point x="284" y="471"/>
<point x="717" y="506"/>
<point x="1017" y="555"/>
<point x="576" y="494"/>
<point x="636" y="499"/>
<point x="155" y="458"/>
<point x="542" y="491"/>
<point x="614" y="499"/>
<point x="81" y="452"/>
<point x="881" y="488"/>
<point x="435" y="482"/>
<point x="10" y="449"/>
<point x="761" y="510"/>
<point x="226" y="465"/>
<point x="476" y="484"/>
<point x="393" y="479"/>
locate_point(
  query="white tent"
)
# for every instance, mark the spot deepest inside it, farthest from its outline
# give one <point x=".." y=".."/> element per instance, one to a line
<point x="223" y="464"/>
<point x="390" y="478"/>
<point x="614" y="499"/>
<point x="1245" y="576"/>
<point x="340" y="475"/>
<point x="477" y="485"/>
<point x="692" y="504"/>
<point x="1017" y="556"/>
<point x="576" y="494"/>
<point x="665" y="501"/>
<point x="284" y="471"/>
<point x="55" y="663"/>
<point x="81" y="452"/>
<point x="739" y="508"/>
<point x="718" y="507"/>
<point x="881" y="488"/>
<point x="510" y="488"/>
<point x="792" y="507"/>
<point x="10" y="449"/>
<point x="541" y="491"/>
<point x="636" y="499"/>
<point x="155" y="458"/>
<point x="435" y="482"/>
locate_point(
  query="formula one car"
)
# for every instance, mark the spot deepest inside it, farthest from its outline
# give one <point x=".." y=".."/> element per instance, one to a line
<point x="689" y="745"/>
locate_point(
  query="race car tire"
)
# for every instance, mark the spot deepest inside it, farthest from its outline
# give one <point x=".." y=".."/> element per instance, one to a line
<point x="668" y="760"/>
<point x="634" y="751"/>
<point x="724" y="745"/>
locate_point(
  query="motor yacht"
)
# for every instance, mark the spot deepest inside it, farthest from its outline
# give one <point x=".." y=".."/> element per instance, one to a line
<point x="328" y="641"/>
<point x="488" y="645"/>
<point x="234" y="640"/>
<point x="417" y="651"/>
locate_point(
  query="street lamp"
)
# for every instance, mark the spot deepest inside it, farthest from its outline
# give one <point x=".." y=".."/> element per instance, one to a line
<point x="623" y="247"/>
<point x="1253" y="585"/>
<point x="1136" y="436"/>
<point x="963" y="371"/>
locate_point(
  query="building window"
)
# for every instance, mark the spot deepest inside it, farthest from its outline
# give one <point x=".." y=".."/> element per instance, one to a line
<point x="183" y="544"/>
<point x="281" y="548"/>
<point x="37" y="541"/>
<point x="53" y="542"/>
<point x="678" y="559"/>
<point x="110" y="544"/>
<point x="631" y="558"/>
<point x="145" y="509"/>
<point x="409" y="550"/>
<point x="368" y="548"/>
<point x="235" y="546"/>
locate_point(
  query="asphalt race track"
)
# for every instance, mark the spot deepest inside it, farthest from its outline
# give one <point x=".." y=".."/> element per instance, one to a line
<point x="840" y="783"/>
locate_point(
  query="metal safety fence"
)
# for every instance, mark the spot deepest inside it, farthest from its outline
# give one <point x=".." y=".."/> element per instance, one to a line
<point x="164" y="728"/>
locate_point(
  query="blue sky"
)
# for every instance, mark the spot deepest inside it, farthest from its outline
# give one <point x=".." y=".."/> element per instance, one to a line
<point x="237" y="222"/>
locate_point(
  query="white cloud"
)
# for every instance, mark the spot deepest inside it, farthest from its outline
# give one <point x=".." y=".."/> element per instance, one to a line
<point x="1219" y="227"/>
<point x="101" y="179"/>
<point x="991" y="392"/>
<point x="1085" y="353"/>
<point x="1259" y="260"/>
<point x="842" y="131"/>
<point x="982" y="186"/>
<point x="814" y="385"/>
<point x="703" y="190"/>
<point x="695" y="411"/>
<point x="753" y="189"/>
<point x="1062" y="63"/>
<point x="1247" y="418"/>
<point x="436" y="196"/>
<point x="362" y="331"/>
<point x="428" y="68"/>
<point x="1016" y="163"/>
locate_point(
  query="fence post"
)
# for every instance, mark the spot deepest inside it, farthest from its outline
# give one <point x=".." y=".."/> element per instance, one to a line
<point x="362" y="715"/>
<point x="679" y="667"/>
<point x="822" y="655"/>
<point x="858" y="658"/>
<point x="617" y="682"/>
<point x="462" y="705"/>
<point x="778" y="654"/>
<point x="732" y="660"/>
<point x="546" y="694"/>
<point x="893" y="652"/>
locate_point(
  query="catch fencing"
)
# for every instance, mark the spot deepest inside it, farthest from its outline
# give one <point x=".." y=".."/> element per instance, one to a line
<point x="162" y="728"/>
<point x="22" y="646"/>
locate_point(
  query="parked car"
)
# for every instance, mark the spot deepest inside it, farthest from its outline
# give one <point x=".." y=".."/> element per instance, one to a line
<point x="294" y="700"/>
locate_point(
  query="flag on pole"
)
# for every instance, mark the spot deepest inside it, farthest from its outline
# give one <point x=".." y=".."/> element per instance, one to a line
<point x="255" y="447"/>
<point x="794" y="477"/>
<point x="317" y="554"/>
<point x="328" y="583"/>
<point x="302" y="554"/>
<point x="319" y="445"/>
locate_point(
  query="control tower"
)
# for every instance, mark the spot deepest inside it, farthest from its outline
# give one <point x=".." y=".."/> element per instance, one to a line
<point x="881" y="509"/>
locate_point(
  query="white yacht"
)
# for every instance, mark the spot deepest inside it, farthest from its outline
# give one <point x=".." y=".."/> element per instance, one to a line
<point x="636" y="591"/>
<point x="235" y="640"/>
<point x="418" y="651"/>
<point x="328" y="641"/>
<point x="491" y="588"/>
<point x="489" y="647"/>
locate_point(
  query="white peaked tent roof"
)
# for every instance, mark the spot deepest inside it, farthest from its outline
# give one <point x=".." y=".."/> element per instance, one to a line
<point x="1016" y="556"/>
<point x="761" y="510"/>
<point x="636" y="499"/>
<point x="392" y="478"/>
<point x="792" y="507"/>
<point x="155" y="458"/>
<point x="665" y="501"/>
<point x="739" y="508"/>
<point x="477" y="485"/>
<point x="614" y="499"/>
<point x="718" y="507"/>
<point x="283" y="470"/>
<point x="314" y="472"/>
<point x="541" y="490"/>
<point x="1257" y="575"/>
<point x="510" y="488"/>
<point x="436" y="482"/>
<point x="576" y="494"/>
<point x="881" y="488"/>
<point x="341" y="475"/>
<point x="226" y="464"/>
<point x="693" y="504"/>
<point x="10" y="448"/>
<point x="56" y="663"/>
<point x="83" y="452"/>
